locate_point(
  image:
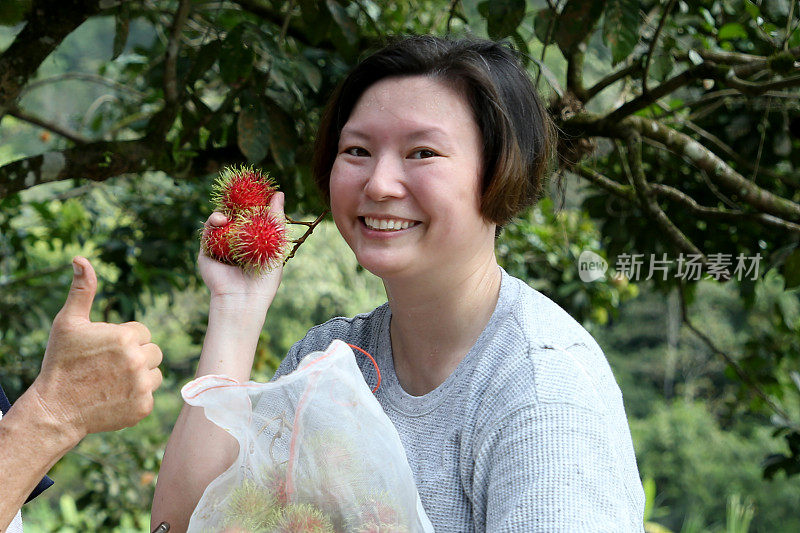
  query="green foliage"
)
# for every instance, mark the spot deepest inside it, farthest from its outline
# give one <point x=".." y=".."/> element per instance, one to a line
<point x="697" y="465"/>
<point x="544" y="246"/>
<point x="621" y="28"/>
<point x="252" y="79"/>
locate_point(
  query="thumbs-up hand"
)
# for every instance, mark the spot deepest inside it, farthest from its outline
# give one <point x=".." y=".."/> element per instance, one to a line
<point x="96" y="376"/>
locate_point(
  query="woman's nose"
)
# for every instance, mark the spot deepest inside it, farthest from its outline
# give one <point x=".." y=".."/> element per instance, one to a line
<point x="386" y="180"/>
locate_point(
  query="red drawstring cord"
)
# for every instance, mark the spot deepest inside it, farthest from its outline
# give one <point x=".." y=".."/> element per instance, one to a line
<point x="378" y="370"/>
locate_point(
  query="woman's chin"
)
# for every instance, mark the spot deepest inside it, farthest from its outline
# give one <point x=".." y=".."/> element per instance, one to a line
<point x="387" y="266"/>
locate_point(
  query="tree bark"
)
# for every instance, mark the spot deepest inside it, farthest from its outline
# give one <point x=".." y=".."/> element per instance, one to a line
<point x="48" y="23"/>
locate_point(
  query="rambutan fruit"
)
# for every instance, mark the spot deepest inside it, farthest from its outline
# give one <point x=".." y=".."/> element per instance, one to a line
<point x="302" y="518"/>
<point x="273" y="478"/>
<point x="215" y="241"/>
<point x="249" y="508"/>
<point x="379" y="514"/>
<point x="258" y="239"/>
<point x="241" y="188"/>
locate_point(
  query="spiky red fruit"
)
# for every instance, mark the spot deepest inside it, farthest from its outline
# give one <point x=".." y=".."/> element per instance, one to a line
<point x="216" y="242"/>
<point x="258" y="239"/>
<point x="241" y="188"/>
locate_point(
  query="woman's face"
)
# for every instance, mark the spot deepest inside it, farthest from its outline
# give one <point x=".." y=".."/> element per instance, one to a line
<point x="405" y="185"/>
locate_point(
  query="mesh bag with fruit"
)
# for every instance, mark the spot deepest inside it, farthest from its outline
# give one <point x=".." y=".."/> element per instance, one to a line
<point x="316" y="454"/>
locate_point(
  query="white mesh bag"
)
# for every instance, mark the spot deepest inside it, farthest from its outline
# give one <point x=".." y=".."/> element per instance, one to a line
<point x="317" y="454"/>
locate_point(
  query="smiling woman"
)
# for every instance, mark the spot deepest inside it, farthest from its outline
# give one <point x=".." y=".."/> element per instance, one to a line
<point x="508" y="411"/>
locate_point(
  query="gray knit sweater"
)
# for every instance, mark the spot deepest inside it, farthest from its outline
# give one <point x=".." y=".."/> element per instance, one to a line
<point x="527" y="434"/>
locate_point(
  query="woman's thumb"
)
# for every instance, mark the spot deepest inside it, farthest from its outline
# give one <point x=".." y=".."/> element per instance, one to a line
<point x="81" y="293"/>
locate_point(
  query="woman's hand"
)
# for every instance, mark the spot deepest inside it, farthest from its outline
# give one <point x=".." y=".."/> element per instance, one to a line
<point x="233" y="289"/>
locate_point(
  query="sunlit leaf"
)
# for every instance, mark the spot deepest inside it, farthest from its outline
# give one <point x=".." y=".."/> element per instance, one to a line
<point x="732" y="30"/>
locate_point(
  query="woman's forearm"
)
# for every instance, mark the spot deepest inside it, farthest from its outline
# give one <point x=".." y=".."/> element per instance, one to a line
<point x="198" y="450"/>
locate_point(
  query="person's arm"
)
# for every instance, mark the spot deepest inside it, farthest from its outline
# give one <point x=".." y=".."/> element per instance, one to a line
<point x="31" y="443"/>
<point x="553" y="467"/>
<point x="198" y="451"/>
<point x="557" y="455"/>
<point x="95" y="377"/>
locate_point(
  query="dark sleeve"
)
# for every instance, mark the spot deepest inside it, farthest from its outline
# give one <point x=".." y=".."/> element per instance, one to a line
<point x="5" y="405"/>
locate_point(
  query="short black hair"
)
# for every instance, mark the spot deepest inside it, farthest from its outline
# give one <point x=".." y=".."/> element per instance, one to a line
<point x="516" y="130"/>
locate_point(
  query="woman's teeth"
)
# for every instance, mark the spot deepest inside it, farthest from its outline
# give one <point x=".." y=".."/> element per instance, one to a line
<point x="387" y="224"/>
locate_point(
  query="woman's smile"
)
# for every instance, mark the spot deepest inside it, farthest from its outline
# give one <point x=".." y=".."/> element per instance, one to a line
<point x="405" y="185"/>
<point x="387" y="224"/>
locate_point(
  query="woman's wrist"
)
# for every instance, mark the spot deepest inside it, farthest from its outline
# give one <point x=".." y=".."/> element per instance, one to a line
<point x="231" y="339"/>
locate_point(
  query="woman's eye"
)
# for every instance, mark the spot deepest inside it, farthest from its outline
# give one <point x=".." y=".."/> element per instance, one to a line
<point x="356" y="151"/>
<point x="422" y="153"/>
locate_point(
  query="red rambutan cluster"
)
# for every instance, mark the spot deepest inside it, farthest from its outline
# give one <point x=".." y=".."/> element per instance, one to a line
<point x="254" y="238"/>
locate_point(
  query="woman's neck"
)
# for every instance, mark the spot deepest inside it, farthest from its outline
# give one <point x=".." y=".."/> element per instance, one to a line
<point x="437" y="321"/>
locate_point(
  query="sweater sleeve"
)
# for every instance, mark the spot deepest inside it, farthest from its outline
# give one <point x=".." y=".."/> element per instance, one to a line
<point x="551" y="467"/>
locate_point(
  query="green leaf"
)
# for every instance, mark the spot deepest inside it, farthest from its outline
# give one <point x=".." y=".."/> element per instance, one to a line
<point x="522" y="47"/>
<point x="502" y="16"/>
<point x="253" y="131"/>
<point x="661" y="65"/>
<point x="317" y="18"/>
<point x="732" y="30"/>
<point x="576" y="21"/>
<point x="791" y="269"/>
<point x="752" y="9"/>
<point x="789" y="307"/>
<point x="621" y="28"/>
<point x="236" y="60"/>
<point x="541" y="25"/>
<point x="283" y="136"/>
<point x="348" y="29"/>
<point x="205" y="57"/>
<point x="311" y="73"/>
<point x="12" y="12"/>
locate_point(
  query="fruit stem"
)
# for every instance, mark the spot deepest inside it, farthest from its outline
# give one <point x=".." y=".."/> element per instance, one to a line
<point x="301" y="240"/>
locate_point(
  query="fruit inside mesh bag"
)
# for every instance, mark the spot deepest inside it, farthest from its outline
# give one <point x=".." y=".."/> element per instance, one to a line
<point x="317" y="454"/>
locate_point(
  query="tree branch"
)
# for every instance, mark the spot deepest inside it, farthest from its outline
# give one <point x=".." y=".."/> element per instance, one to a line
<point x="702" y="70"/>
<point x="83" y="76"/>
<point x="715" y="168"/>
<point x="65" y="132"/>
<point x="48" y="23"/>
<point x="99" y="161"/>
<point x="756" y="89"/>
<point x="8" y="282"/>
<point x="654" y="41"/>
<point x="789" y="180"/>
<point x="728" y="359"/>
<point x="173" y="47"/>
<point x="720" y="214"/>
<point x="629" y="70"/>
<point x="617" y="189"/>
<point x="96" y="161"/>
<point x="647" y="199"/>
<point x="160" y="123"/>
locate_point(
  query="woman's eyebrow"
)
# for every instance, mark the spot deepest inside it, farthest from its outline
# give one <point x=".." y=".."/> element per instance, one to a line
<point x="437" y="134"/>
<point x="353" y="132"/>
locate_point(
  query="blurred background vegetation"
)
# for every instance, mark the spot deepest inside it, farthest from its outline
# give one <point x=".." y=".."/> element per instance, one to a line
<point x="678" y="134"/>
